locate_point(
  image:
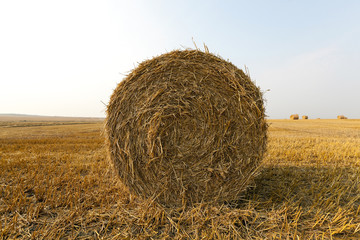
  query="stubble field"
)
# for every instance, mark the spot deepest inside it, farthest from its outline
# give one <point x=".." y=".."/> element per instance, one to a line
<point x="56" y="183"/>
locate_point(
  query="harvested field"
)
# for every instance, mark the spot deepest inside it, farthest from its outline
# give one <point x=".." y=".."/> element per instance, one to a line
<point x="56" y="183"/>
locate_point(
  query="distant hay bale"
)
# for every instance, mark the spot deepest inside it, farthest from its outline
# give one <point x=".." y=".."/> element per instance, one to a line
<point x="305" y="117"/>
<point x="294" y="116"/>
<point x="341" y="117"/>
<point x="186" y="127"/>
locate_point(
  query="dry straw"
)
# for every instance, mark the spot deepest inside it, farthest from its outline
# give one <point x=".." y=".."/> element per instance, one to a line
<point x="294" y="116"/>
<point x="305" y="117"/>
<point x="186" y="127"/>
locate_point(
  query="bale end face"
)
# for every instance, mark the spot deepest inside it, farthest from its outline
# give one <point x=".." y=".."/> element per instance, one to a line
<point x="186" y="127"/>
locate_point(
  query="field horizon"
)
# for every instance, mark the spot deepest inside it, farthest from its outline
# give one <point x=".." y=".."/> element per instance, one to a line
<point x="29" y="117"/>
<point x="34" y="117"/>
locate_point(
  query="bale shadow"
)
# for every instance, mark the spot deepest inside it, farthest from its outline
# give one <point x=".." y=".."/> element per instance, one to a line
<point x="305" y="186"/>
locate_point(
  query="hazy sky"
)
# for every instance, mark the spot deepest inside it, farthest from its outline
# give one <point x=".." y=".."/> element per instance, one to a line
<point x="65" y="57"/>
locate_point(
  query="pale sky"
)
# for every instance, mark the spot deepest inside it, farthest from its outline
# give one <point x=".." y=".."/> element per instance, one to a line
<point x="64" y="58"/>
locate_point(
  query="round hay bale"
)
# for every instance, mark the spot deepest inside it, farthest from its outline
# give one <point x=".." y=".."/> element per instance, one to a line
<point x="186" y="127"/>
<point x="305" y="117"/>
<point x="341" y="117"/>
<point x="294" y="116"/>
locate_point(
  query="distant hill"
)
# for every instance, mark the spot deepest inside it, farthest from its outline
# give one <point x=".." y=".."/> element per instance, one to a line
<point x="26" y="117"/>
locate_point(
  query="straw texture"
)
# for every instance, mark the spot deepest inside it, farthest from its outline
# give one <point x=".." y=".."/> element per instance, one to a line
<point x="186" y="127"/>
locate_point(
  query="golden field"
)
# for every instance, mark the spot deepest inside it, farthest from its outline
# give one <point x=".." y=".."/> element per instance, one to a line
<point x="56" y="183"/>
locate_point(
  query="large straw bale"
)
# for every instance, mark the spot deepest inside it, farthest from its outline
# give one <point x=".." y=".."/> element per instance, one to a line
<point x="305" y="117"/>
<point x="294" y="116"/>
<point x="341" y="117"/>
<point x="186" y="127"/>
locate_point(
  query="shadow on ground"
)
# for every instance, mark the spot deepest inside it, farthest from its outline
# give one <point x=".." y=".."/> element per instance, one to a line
<point x="305" y="186"/>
